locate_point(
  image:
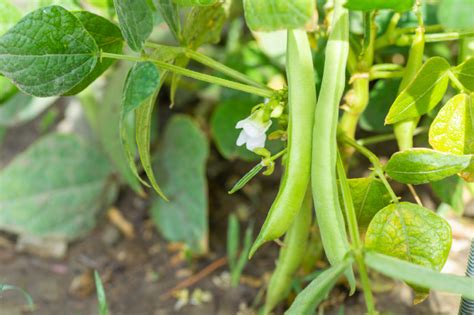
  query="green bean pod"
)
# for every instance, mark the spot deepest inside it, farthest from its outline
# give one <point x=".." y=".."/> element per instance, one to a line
<point x="323" y="168"/>
<point x="404" y="130"/>
<point x="291" y="255"/>
<point x="301" y="104"/>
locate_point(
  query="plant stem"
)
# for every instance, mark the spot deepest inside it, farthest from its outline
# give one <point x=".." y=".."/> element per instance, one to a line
<point x="378" y="167"/>
<point x="355" y="236"/>
<point x="213" y="64"/>
<point x="386" y="137"/>
<point x="359" y="99"/>
<point x="193" y="74"/>
<point x="441" y="37"/>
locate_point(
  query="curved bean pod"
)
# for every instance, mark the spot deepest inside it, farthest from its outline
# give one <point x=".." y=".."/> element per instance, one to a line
<point x="323" y="168"/>
<point x="301" y="102"/>
<point x="291" y="255"/>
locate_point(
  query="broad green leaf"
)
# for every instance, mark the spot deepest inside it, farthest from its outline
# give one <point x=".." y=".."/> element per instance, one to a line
<point x="420" y="276"/>
<point x="107" y="37"/>
<point x="382" y="95"/>
<point x="465" y="73"/>
<point x="204" y="25"/>
<point x="181" y="164"/>
<point x="370" y="5"/>
<point x="369" y="195"/>
<point x="103" y="111"/>
<point x="456" y="14"/>
<point x="308" y="299"/>
<point x="272" y="15"/>
<point x="55" y="188"/>
<point x="142" y="82"/>
<point x="169" y="12"/>
<point x="101" y="297"/>
<point x="423" y="93"/>
<point x="9" y="15"/>
<point x="195" y="2"/>
<point x="452" y="130"/>
<point x="143" y="115"/>
<point x="136" y="21"/>
<point x="450" y="190"/>
<point x="420" y="166"/>
<point x="410" y="232"/>
<point x="56" y="52"/>
<point x="22" y="108"/>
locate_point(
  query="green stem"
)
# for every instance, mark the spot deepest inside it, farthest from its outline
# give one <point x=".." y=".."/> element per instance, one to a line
<point x="194" y="75"/>
<point x="385" y="75"/>
<point x="387" y="137"/>
<point x="360" y="99"/>
<point x="213" y="64"/>
<point x="378" y="167"/>
<point x="355" y="236"/>
<point x="441" y="37"/>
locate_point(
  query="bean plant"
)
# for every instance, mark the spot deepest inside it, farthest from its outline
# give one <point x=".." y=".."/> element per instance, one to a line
<point x="351" y="67"/>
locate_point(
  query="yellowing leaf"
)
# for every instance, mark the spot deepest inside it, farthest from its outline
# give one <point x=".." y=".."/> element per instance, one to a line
<point x="412" y="233"/>
<point x="453" y="128"/>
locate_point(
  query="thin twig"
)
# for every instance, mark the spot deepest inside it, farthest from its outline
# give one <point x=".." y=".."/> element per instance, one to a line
<point x="196" y="278"/>
<point x="414" y="194"/>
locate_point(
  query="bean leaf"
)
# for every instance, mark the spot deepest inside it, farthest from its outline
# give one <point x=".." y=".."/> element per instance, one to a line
<point x="181" y="164"/>
<point x="370" y="5"/>
<point x="169" y="11"/>
<point x="420" y="276"/>
<point x="412" y="233"/>
<point x="452" y="130"/>
<point x="143" y="115"/>
<point x="204" y="25"/>
<point x="107" y="37"/>
<point x="420" y="166"/>
<point x="141" y="86"/>
<point x="456" y="14"/>
<point x="369" y="196"/>
<point x="272" y="15"/>
<point x="67" y="184"/>
<point x="465" y="73"/>
<point x="136" y="21"/>
<point x="423" y="93"/>
<point x="308" y="299"/>
<point x="48" y="52"/>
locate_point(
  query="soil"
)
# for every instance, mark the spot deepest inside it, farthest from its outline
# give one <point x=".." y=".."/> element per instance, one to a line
<point x="139" y="273"/>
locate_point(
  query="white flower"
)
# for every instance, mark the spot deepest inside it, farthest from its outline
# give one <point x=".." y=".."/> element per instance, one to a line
<point x="253" y="131"/>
